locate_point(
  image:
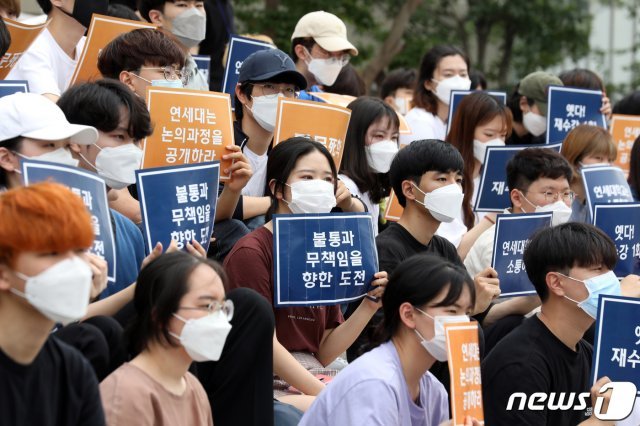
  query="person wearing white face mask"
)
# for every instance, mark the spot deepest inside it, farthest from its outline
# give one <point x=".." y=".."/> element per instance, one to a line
<point x="570" y="266"/>
<point x="320" y="48"/>
<point x="43" y="281"/>
<point x="370" y="146"/>
<point x="186" y="21"/>
<point x="443" y="68"/>
<point x="397" y="89"/>
<point x="302" y="179"/>
<point x="391" y="384"/>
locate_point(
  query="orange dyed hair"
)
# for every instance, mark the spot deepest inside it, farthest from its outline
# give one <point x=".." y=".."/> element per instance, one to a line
<point x="44" y="217"/>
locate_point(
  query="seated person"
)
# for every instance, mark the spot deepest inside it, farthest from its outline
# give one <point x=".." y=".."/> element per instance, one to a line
<point x="391" y="384"/>
<point x="43" y="281"/>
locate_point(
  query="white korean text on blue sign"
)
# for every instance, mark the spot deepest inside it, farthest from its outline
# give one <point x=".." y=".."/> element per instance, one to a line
<point x="569" y="107"/>
<point x="620" y="222"/>
<point x="91" y="188"/>
<point x="322" y="259"/>
<point x="239" y="49"/>
<point x="605" y="185"/>
<point x="9" y="87"/>
<point x="511" y="238"/>
<point x="616" y="352"/>
<point x="457" y="95"/>
<point x="178" y="203"/>
<point x="203" y="63"/>
<point x="493" y="193"/>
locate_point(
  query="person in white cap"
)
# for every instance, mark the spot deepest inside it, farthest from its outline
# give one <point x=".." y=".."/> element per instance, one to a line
<point x="320" y="48"/>
<point x="34" y="127"/>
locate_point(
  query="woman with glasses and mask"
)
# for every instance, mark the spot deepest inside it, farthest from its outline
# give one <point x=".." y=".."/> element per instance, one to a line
<point x="391" y="384"/>
<point x="182" y="316"/>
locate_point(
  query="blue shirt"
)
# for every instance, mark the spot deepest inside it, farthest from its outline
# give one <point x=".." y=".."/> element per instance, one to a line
<point x="305" y="96"/>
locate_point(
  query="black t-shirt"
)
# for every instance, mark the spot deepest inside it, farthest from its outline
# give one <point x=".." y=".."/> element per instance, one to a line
<point x="532" y="359"/>
<point x="57" y="388"/>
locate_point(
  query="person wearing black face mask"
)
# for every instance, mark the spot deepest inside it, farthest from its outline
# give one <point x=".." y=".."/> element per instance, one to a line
<point x="49" y="62"/>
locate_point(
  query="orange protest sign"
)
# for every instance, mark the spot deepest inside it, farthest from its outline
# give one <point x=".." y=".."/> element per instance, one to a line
<point x="464" y="369"/>
<point x="333" y="98"/>
<point x="102" y="30"/>
<point x="394" y="209"/>
<point x="21" y="38"/>
<point x="404" y="126"/>
<point x="191" y="126"/>
<point x="625" y="129"/>
<point x="321" y="122"/>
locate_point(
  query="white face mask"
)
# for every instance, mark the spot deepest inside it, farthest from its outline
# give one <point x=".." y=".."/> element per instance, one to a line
<point x="443" y="203"/>
<point x="480" y="148"/>
<point x="311" y="196"/>
<point x="118" y="165"/>
<point x="381" y="154"/>
<point x="437" y="346"/>
<point x="61" y="292"/>
<point x="190" y="27"/>
<point x="445" y="86"/>
<point x="264" y="111"/>
<point x="325" y="70"/>
<point x="561" y="212"/>
<point x="58" y="156"/>
<point x="534" y="123"/>
<point x="204" y="338"/>
<point x="402" y="104"/>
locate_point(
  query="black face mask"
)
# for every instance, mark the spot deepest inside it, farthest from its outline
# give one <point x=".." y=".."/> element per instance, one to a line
<point x="84" y="9"/>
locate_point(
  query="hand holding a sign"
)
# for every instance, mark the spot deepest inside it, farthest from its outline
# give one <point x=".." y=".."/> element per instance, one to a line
<point x="595" y="395"/>
<point x="374" y="298"/>
<point x="240" y="170"/>
<point x="487" y="288"/>
<point x="345" y="201"/>
<point x="630" y="286"/>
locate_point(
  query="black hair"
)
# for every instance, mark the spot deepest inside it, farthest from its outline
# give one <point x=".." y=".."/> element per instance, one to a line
<point x="583" y="78"/>
<point x="5" y="38"/>
<point x="629" y="105"/>
<point x="307" y="42"/>
<point x="420" y="157"/>
<point x="634" y="167"/>
<point x="513" y="102"/>
<point x="401" y="78"/>
<point x="13" y="145"/>
<point x="160" y="287"/>
<point x="477" y="79"/>
<point x="99" y="104"/>
<point x="144" y="6"/>
<point x="282" y="160"/>
<point x="364" y="112"/>
<point x="348" y="83"/>
<point x="118" y="10"/>
<point x="562" y="247"/>
<point x="418" y="280"/>
<point x="45" y="5"/>
<point x="531" y="164"/>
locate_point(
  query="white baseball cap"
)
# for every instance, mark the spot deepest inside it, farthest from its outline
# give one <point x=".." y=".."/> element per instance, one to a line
<point x="34" y="116"/>
<point x="326" y="29"/>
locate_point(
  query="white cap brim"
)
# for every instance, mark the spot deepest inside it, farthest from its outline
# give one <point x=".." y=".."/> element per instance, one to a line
<point x="77" y="133"/>
<point x="336" y="44"/>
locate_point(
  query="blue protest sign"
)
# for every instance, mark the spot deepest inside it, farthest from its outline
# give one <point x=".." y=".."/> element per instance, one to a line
<point x="619" y="222"/>
<point x="493" y="192"/>
<point x="239" y="49"/>
<point x="458" y="95"/>
<point x="511" y="237"/>
<point x="616" y="352"/>
<point x="178" y="203"/>
<point x="91" y="188"/>
<point x="605" y="184"/>
<point x="322" y="259"/>
<point x="203" y="62"/>
<point x="569" y="107"/>
<point x="9" y="87"/>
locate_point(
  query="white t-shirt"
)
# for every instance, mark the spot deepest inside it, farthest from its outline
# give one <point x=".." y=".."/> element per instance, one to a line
<point x="46" y="66"/>
<point x="374" y="209"/>
<point x="423" y="125"/>
<point x="481" y="252"/>
<point x="255" y="186"/>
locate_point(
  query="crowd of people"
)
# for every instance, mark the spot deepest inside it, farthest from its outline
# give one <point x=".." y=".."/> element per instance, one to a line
<point x="193" y="337"/>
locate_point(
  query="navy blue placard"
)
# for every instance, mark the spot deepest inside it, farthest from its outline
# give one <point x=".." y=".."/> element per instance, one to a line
<point x="9" y="87"/>
<point x="457" y="95"/>
<point x="493" y="193"/>
<point x="511" y="237"/>
<point x="620" y="222"/>
<point x="605" y="185"/>
<point x="616" y="352"/>
<point x="203" y="62"/>
<point x="239" y="49"/>
<point x="178" y="203"/>
<point x="322" y="259"/>
<point x="569" y="107"/>
<point x="91" y="188"/>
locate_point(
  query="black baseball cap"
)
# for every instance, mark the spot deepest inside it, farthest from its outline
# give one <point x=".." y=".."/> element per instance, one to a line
<point x="266" y="64"/>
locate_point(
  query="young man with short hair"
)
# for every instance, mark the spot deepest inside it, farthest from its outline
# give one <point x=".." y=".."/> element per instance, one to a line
<point x="570" y="265"/>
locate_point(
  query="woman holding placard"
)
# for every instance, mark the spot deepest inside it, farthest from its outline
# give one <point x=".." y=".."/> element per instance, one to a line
<point x="301" y="178"/>
<point x="391" y="384"/>
<point x="586" y="145"/>
<point x="370" y="146"/>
